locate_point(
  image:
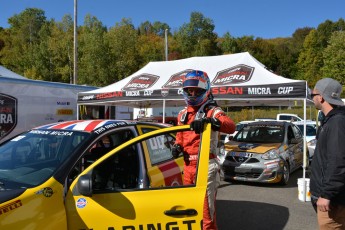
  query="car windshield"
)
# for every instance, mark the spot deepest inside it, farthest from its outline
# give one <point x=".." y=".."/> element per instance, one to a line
<point x="260" y="134"/>
<point x="31" y="158"/>
<point x="310" y="129"/>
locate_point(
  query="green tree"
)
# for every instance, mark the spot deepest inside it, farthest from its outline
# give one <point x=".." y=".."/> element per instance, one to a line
<point x="40" y="64"/>
<point x="160" y="27"/>
<point x="334" y="57"/>
<point x="197" y="38"/>
<point x="23" y="36"/>
<point x="228" y="44"/>
<point x="287" y="51"/>
<point x="145" y="28"/>
<point x="245" y="43"/>
<point x="61" y="50"/>
<point x="264" y="51"/>
<point x="93" y="54"/>
<point x="310" y="59"/>
<point x="123" y="43"/>
<point x="151" y="48"/>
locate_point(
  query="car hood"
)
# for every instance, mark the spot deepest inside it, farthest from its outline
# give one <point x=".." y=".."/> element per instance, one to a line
<point x="251" y="147"/>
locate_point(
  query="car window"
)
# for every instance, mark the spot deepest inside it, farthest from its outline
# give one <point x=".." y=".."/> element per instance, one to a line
<point x="120" y="171"/>
<point x="296" y="131"/>
<point x="290" y="133"/>
<point x="159" y="148"/>
<point x="99" y="148"/>
<point x="260" y="134"/>
<point x="125" y="170"/>
<point x="310" y="130"/>
<point x="31" y="158"/>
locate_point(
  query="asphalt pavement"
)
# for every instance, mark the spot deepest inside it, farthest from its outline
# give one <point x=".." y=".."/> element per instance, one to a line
<point x="248" y="206"/>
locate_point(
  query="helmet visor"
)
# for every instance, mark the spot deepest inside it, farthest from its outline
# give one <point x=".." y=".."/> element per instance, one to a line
<point x="194" y="83"/>
<point x="193" y="91"/>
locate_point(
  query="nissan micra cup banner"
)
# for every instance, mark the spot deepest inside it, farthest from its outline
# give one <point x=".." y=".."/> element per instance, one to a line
<point x="228" y="83"/>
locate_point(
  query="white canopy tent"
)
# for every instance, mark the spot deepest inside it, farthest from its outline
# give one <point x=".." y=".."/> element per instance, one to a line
<point x="4" y="72"/>
<point x="236" y="80"/>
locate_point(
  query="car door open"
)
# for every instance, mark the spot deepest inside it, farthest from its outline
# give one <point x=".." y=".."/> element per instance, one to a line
<point x="137" y="207"/>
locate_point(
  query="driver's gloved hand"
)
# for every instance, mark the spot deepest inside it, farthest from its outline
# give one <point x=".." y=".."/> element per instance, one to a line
<point x="198" y="125"/>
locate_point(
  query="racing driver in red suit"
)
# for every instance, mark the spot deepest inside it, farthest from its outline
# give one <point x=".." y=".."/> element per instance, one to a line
<point x="201" y="108"/>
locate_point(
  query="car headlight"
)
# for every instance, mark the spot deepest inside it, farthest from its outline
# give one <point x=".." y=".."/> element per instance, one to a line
<point x="312" y="142"/>
<point x="271" y="155"/>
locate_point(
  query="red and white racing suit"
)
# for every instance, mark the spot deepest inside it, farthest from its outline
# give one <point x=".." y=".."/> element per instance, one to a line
<point x="189" y="141"/>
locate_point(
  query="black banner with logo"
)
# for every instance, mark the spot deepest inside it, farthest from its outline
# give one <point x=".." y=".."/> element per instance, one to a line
<point x="8" y="114"/>
<point x="287" y="90"/>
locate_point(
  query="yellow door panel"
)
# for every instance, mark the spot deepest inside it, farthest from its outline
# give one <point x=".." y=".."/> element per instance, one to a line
<point x="153" y="208"/>
<point x="41" y="207"/>
<point x="139" y="208"/>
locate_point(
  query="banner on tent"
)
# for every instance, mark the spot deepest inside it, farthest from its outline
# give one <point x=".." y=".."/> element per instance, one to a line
<point x="288" y="90"/>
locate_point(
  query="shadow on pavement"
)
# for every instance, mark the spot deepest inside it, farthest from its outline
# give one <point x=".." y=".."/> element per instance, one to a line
<point x="250" y="215"/>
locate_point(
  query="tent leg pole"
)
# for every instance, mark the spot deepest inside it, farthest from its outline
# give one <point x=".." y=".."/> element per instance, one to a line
<point x="304" y="148"/>
<point x="163" y="111"/>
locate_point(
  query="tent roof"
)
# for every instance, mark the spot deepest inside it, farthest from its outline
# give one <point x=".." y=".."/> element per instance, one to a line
<point x="236" y="80"/>
<point x="8" y="73"/>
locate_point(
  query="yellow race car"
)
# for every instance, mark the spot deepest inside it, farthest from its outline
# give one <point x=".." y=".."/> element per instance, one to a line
<point x="99" y="174"/>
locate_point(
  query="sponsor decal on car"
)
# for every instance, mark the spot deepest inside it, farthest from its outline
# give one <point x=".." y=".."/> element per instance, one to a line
<point x="240" y="154"/>
<point x="81" y="203"/>
<point x="47" y="192"/>
<point x="185" y="224"/>
<point x="11" y="206"/>
<point x="246" y="146"/>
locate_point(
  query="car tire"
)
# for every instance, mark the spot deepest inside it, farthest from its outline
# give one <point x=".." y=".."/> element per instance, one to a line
<point x="286" y="174"/>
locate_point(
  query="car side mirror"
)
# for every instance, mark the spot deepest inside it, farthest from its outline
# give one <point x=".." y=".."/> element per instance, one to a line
<point x="84" y="185"/>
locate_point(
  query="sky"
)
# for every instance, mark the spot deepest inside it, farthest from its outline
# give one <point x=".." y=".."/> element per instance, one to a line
<point x="265" y="18"/>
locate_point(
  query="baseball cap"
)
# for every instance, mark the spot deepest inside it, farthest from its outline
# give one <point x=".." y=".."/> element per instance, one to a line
<point x="330" y="90"/>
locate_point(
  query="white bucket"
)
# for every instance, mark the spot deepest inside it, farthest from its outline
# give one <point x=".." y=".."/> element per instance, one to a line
<point x="300" y="183"/>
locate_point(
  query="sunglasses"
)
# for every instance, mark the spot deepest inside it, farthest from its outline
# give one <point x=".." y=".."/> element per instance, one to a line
<point x="313" y="95"/>
<point x="194" y="91"/>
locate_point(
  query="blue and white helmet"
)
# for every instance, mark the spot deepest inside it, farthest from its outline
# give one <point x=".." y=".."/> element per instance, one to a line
<point x="196" y="79"/>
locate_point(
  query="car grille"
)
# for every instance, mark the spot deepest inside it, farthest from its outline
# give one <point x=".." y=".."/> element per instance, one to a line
<point x="247" y="175"/>
<point x="255" y="173"/>
<point x="239" y="159"/>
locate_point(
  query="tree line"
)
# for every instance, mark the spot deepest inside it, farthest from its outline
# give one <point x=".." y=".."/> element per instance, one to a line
<point x="43" y="49"/>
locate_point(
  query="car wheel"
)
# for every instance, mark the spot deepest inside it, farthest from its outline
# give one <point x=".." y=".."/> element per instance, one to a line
<point x="286" y="174"/>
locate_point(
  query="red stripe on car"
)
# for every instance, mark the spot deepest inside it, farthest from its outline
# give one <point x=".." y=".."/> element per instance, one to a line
<point x="92" y="125"/>
<point x="171" y="173"/>
<point x="64" y="124"/>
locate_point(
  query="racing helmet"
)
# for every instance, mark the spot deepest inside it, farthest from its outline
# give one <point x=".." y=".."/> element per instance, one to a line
<point x="196" y="79"/>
